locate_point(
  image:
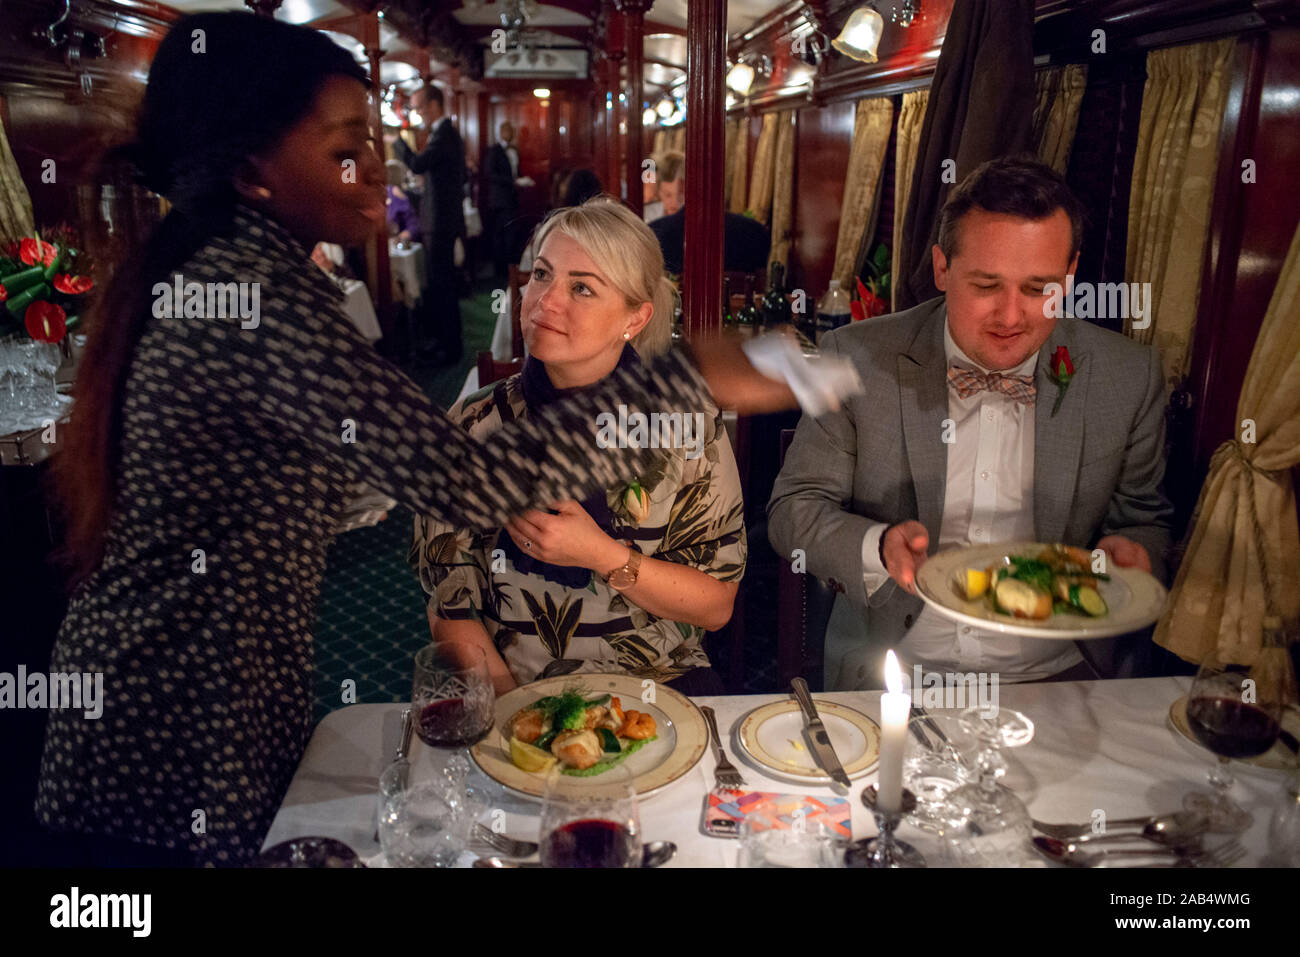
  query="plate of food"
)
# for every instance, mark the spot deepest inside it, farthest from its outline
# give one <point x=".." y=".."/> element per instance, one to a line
<point x="585" y="724"/>
<point x="772" y="735"/>
<point x="1038" y="590"/>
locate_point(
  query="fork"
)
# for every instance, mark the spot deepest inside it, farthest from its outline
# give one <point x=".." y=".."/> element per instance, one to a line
<point x="1225" y="855"/>
<point x="725" y="775"/>
<point x="503" y="844"/>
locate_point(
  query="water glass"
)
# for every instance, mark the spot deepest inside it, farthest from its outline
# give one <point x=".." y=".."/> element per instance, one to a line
<point x="426" y="823"/>
<point x="804" y="844"/>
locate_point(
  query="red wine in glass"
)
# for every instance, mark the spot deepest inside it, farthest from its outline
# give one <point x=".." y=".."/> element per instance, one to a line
<point x="589" y="843"/>
<point x="452" y="723"/>
<point x="1232" y="728"/>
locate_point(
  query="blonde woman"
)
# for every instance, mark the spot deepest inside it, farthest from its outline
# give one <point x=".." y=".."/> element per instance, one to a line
<point x="629" y="579"/>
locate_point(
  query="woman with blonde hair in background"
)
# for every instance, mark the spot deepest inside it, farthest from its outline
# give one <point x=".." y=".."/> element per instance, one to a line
<point x="630" y="579"/>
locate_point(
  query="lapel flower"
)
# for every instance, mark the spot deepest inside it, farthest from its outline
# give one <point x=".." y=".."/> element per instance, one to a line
<point x="4" y="293"/>
<point x="1062" y="372"/>
<point x="636" y="502"/>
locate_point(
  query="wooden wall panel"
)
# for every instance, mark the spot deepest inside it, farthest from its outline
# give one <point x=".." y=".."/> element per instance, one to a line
<point x="822" y="141"/>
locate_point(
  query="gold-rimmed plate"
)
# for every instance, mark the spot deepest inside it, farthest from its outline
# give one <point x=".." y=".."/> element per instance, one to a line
<point x="679" y="744"/>
<point x="772" y="735"/>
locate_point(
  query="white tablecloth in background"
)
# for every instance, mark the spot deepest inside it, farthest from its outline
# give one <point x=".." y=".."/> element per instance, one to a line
<point x="359" y="308"/>
<point x="1098" y="744"/>
<point x="408" y="269"/>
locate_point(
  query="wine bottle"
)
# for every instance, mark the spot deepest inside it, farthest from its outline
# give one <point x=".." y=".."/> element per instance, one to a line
<point x="748" y="319"/>
<point x="775" y="307"/>
<point x="728" y="320"/>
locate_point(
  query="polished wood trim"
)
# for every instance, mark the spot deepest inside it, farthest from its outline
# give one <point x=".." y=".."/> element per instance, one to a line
<point x="706" y="57"/>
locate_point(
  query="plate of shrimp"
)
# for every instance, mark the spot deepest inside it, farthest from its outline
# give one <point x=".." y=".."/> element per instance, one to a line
<point x="585" y="724"/>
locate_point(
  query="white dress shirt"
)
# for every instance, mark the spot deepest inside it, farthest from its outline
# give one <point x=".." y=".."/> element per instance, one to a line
<point x="989" y="497"/>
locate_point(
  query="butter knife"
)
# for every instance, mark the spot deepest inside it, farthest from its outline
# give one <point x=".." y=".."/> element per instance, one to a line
<point x="818" y="739"/>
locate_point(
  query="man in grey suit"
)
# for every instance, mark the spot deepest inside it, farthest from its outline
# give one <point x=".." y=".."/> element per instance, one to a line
<point x="958" y="440"/>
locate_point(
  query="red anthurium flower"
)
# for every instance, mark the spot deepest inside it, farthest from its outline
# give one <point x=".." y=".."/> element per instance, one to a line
<point x="46" y="322"/>
<point x="1062" y="367"/>
<point x="35" y="252"/>
<point x="4" y="293"/>
<point x="73" y="285"/>
<point x="857" y="310"/>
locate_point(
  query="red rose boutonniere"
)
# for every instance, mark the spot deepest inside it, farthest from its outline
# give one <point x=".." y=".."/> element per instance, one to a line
<point x="1062" y="373"/>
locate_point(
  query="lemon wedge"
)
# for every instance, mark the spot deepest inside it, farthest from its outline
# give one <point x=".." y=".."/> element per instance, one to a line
<point x="528" y="758"/>
<point x="977" y="583"/>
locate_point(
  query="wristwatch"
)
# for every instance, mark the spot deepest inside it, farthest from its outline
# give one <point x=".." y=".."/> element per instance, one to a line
<point x="625" y="577"/>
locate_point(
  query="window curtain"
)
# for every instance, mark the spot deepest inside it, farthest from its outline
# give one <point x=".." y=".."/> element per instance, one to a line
<point x="739" y="168"/>
<point x="677" y="138"/>
<point x="1173" y="186"/>
<point x="783" y="189"/>
<point x="762" y="176"/>
<point x="734" y="128"/>
<point x="910" y="118"/>
<point x="16" y="218"/>
<point x="871" y="126"/>
<point x="1058" y="96"/>
<point x="1243" y="560"/>
<point x="657" y="149"/>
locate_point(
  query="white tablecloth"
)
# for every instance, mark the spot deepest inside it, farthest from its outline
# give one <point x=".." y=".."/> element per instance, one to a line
<point x="408" y="270"/>
<point x="1098" y="745"/>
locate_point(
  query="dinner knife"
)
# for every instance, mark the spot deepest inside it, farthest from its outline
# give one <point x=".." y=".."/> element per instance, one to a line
<point x="817" y="736"/>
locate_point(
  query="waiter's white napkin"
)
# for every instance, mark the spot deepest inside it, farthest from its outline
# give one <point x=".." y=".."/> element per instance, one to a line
<point x="818" y="382"/>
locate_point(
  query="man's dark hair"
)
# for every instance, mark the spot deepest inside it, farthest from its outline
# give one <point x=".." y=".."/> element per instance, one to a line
<point x="1014" y="185"/>
<point x="431" y="92"/>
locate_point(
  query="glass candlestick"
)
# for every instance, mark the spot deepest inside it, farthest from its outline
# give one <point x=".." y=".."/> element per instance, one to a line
<point x="885" y="850"/>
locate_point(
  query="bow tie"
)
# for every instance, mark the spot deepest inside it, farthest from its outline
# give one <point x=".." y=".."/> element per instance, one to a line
<point x="966" y="382"/>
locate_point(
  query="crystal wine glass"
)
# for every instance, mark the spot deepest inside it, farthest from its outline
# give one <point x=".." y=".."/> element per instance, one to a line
<point x="986" y="824"/>
<point x="590" y="821"/>
<point x="453" y="698"/>
<point x="1235" y="711"/>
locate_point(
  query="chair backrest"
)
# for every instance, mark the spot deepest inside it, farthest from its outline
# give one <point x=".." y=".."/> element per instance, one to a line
<point x="518" y="279"/>
<point x="492" y="370"/>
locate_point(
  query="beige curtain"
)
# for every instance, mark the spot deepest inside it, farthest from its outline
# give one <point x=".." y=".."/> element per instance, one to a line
<point x="763" y="174"/>
<point x="911" y="117"/>
<point x="1247" y="509"/>
<point x="734" y="127"/>
<point x="678" y="138"/>
<point x="739" y="168"/>
<point x="783" y="189"/>
<point x="1173" y="186"/>
<point x="15" y="204"/>
<point x="1056" y="112"/>
<point x="866" y="161"/>
<point x="657" y="149"/>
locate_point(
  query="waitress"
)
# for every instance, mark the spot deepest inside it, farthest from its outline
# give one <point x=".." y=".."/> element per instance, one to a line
<point x="207" y="455"/>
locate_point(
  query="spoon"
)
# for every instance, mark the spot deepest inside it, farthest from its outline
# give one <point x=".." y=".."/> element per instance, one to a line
<point x="1076" y="855"/>
<point x="1176" y="830"/>
<point x="652" y="855"/>
<point x="1188" y="823"/>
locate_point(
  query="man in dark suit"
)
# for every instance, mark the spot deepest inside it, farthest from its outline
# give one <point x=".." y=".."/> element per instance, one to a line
<point x="501" y="203"/>
<point x="964" y="437"/>
<point x="442" y="221"/>
<point x="746" y="242"/>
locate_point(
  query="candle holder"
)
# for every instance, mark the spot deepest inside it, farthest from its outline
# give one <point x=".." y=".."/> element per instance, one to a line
<point x="884" y="850"/>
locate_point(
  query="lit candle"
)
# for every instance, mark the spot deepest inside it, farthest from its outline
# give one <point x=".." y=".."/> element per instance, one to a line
<point x="895" y="709"/>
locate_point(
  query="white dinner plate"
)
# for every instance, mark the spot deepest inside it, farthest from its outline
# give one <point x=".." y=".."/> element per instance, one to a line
<point x="1279" y="757"/>
<point x="679" y="745"/>
<point x="1134" y="598"/>
<point x="773" y="736"/>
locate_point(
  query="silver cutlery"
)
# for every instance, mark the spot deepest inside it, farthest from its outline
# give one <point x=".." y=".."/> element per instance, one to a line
<point x="1186" y="831"/>
<point x="1185" y="821"/>
<point x="508" y="846"/>
<point x="652" y="855"/>
<point x="819" y="741"/>
<point x="933" y="727"/>
<point x="725" y="775"/>
<point x="1081" y="855"/>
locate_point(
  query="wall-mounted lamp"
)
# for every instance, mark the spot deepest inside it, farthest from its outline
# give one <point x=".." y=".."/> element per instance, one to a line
<point x="666" y="108"/>
<point x="748" y="65"/>
<point x="649" y="117"/>
<point x="542" y="93"/>
<point x="861" y="35"/>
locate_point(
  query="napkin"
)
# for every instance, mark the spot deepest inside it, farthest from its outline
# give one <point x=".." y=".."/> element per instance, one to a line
<point x="818" y="382"/>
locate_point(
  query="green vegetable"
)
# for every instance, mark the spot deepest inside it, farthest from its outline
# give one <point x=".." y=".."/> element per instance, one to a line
<point x="571" y="715"/>
<point x="1087" y="600"/>
<point x="608" y="740"/>
<point x="1032" y="572"/>
<point x="601" y="766"/>
<point x="544" y="742"/>
<point x="597" y="702"/>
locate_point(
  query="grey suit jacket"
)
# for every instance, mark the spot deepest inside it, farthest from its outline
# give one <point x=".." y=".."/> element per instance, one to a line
<point x="1098" y="467"/>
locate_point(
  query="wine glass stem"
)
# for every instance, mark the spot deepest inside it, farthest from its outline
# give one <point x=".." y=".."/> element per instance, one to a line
<point x="1221" y="779"/>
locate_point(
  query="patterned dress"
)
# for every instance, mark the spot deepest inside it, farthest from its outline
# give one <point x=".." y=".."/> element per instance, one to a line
<point x="549" y="621"/>
<point x="238" y="447"/>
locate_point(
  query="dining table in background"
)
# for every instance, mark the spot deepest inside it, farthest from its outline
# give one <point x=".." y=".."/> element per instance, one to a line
<point x="406" y="263"/>
<point x="1098" y="746"/>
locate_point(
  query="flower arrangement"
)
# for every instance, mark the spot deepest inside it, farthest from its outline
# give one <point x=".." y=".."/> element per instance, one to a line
<point x="41" y="282"/>
<point x="873" y="295"/>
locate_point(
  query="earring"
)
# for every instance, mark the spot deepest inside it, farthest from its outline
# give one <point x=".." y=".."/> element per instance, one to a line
<point x="627" y="335"/>
<point x="261" y="192"/>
